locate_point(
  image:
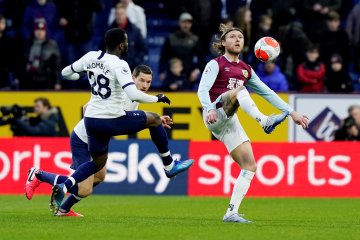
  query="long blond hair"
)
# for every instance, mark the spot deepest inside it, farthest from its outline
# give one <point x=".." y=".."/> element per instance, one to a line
<point x="217" y="46"/>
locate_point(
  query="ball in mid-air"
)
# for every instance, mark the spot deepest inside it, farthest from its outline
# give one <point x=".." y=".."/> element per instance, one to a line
<point x="267" y="49"/>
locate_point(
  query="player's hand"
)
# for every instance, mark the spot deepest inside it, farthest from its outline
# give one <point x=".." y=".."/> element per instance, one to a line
<point x="162" y="98"/>
<point x="166" y="121"/>
<point x="300" y="119"/>
<point x="211" y="117"/>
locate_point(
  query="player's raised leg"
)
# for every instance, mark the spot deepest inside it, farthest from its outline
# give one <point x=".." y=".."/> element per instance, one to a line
<point x="159" y="137"/>
<point x="240" y="96"/>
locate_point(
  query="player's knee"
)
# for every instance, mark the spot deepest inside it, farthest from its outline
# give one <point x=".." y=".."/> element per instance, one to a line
<point x="99" y="179"/>
<point x="85" y="191"/>
<point x="153" y="119"/>
<point x="253" y="167"/>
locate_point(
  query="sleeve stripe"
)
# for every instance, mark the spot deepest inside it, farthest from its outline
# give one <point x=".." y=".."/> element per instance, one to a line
<point x="72" y="69"/>
<point x="128" y="84"/>
<point x="101" y="55"/>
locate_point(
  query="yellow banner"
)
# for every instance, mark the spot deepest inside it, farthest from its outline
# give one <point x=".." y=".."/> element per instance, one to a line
<point x="185" y="109"/>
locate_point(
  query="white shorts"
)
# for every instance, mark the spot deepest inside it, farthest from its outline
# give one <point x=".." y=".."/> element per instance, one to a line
<point x="227" y="130"/>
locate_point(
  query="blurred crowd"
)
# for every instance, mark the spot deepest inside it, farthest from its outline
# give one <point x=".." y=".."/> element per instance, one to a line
<point x="320" y="40"/>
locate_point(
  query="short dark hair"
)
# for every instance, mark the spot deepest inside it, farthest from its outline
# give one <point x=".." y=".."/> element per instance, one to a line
<point x="2" y="17"/>
<point x="142" y="69"/>
<point x="114" y="37"/>
<point x="44" y="101"/>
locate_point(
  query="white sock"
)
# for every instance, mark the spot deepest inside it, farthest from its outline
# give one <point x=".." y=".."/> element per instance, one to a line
<point x="169" y="167"/>
<point x="248" y="105"/>
<point x="240" y="189"/>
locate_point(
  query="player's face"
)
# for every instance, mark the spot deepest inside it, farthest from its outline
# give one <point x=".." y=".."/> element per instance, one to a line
<point x="143" y="81"/>
<point x="233" y="42"/>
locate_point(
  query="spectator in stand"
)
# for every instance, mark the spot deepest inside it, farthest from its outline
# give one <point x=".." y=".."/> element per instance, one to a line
<point x="7" y="63"/>
<point x="135" y="14"/>
<point x="186" y="46"/>
<point x="14" y="12"/>
<point x="294" y="43"/>
<point x="315" y="15"/>
<point x="354" y="112"/>
<point x="76" y="18"/>
<point x="334" y="40"/>
<point x="258" y="9"/>
<point x="43" y="61"/>
<point x="206" y="17"/>
<point x="348" y="131"/>
<point x="264" y="27"/>
<point x="137" y="48"/>
<point x="229" y="7"/>
<point x="338" y="79"/>
<point x="243" y="22"/>
<point x="40" y="9"/>
<point x="175" y="79"/>
<point x="262" y="30"/>
<point x="353" y="31"/>
<point x="311" y="73"/>
<point x="272" y="76"/>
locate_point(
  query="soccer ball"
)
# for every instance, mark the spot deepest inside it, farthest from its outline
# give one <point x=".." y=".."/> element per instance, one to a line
<point x="267" y="49"/>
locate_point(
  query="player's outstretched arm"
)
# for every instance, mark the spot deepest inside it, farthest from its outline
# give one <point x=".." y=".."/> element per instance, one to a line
<point x="300" y="119"/>
<point x="69" y="74"/>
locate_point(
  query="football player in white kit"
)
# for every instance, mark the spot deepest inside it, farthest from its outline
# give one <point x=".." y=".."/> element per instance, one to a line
<point x="105" y="116"/>
<point x="142" y="76"/>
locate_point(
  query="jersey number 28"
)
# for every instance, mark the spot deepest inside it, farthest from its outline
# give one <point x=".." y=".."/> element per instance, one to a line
<point x="102" y="82"/>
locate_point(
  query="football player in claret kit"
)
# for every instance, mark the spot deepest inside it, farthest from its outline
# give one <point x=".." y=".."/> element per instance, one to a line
<point x="105" y="117"/>
<point x="142" y="76"/>
<point x="221" y="92"/>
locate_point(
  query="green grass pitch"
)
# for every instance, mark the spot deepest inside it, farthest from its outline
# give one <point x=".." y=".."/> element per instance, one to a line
<point x="170" y="217"/>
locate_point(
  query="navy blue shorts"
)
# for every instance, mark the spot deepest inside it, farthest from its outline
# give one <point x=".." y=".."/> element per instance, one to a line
<point x="100" y="130"/>
<point x="80" y="151"/>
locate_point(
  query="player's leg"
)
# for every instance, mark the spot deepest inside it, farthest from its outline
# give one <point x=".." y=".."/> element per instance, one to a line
<point x="36" y="176"/>
<point x="237" y="143"/>
<point x="97" y="130"/>
<point x="85" y="189"/>
<point x="240" y="96"/>
<point x="242" y="155"/>
<point x="159" y="137"/>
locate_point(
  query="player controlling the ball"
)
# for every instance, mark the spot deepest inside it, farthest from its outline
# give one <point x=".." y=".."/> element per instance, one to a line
<point x="221" y="92"/>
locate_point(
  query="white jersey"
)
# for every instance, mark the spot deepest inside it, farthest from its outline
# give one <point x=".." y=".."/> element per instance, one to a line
<point x="80" y="129"/>
<point x="111" y="84"/>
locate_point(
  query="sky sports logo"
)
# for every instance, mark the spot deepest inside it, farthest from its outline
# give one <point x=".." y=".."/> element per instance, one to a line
<point x="324" y="125"/>
<point x="134" y="167"/>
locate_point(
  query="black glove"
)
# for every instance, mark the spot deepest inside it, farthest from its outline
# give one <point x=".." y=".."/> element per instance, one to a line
<point x="163" y="98"/>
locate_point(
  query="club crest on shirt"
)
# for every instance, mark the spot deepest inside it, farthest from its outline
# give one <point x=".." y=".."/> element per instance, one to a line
<point x="207" y="70"/>
<point x="245" y="73"/>
<point x="125" y="70"/>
